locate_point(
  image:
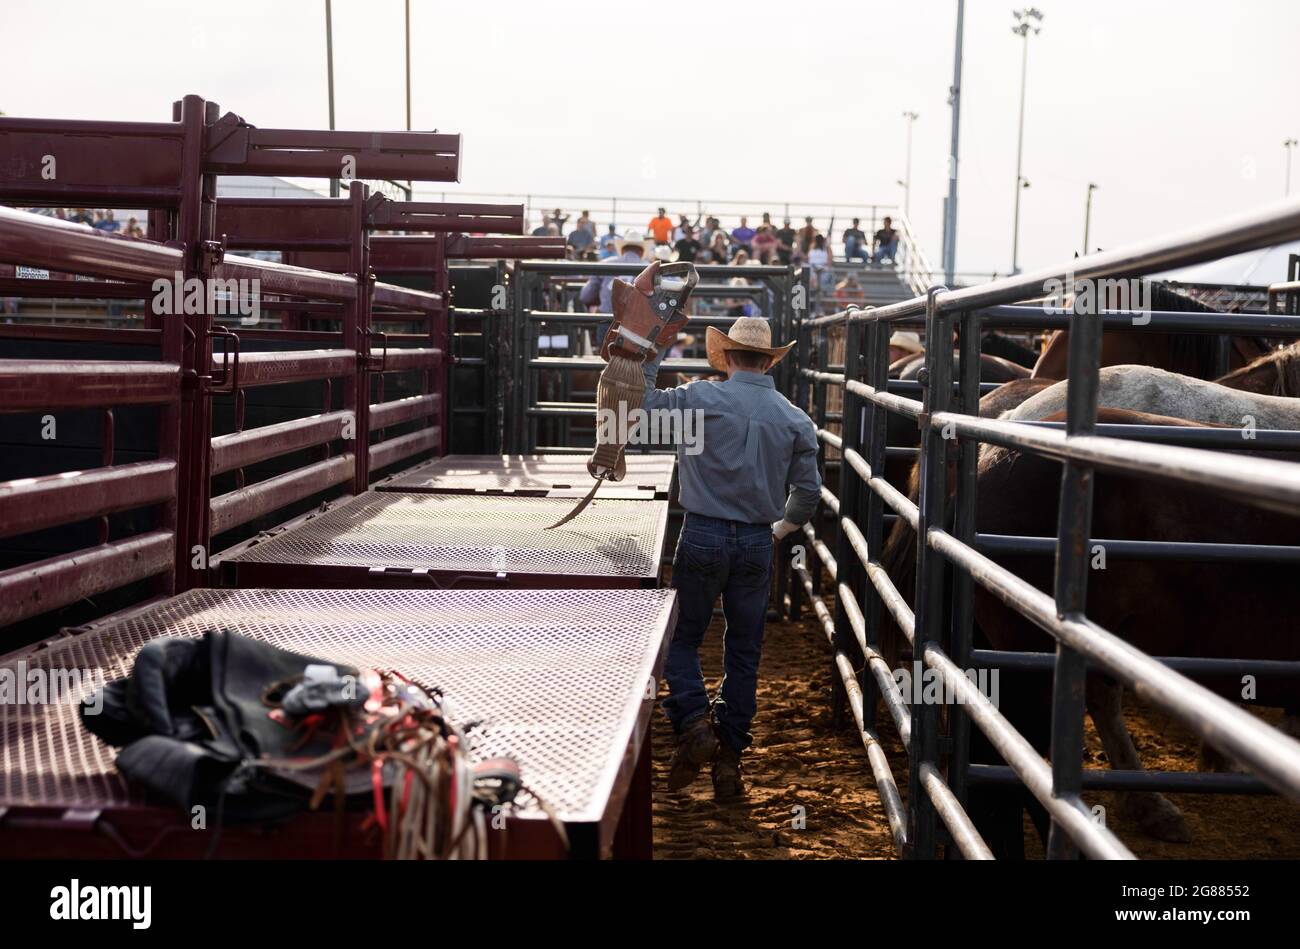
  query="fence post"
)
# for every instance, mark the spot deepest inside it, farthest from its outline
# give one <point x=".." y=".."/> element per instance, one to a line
<point x="959" y="643"/>
<point x="930" y="570"/>
<point x="1074" y="528"/>
<point x="876" y="424"/>
<point x="849" y="570"/>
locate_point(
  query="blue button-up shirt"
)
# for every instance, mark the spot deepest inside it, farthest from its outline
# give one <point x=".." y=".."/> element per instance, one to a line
<point x="758" y="462"/>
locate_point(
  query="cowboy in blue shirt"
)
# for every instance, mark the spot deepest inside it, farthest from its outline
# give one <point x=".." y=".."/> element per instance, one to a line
<point x="752" y="481"/>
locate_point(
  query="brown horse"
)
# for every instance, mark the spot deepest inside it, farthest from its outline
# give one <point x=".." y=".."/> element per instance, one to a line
<point x="1185" y="353"/>
<point x="1189" y="354"/>
<point x="1164" y="608"/>
<point x="1274" y="373"/>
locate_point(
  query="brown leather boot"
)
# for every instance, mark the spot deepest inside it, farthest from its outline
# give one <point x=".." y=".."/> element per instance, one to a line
<point x="727" y="781"/>
<point x="696" y="746"/>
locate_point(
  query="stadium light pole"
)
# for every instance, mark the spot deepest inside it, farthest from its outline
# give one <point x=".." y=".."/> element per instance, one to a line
<point x="950" y="202"/>
<point x="1087" y="218"/>
<point x="907" y="177"/>
<point x="410" y="192"/>
<point x="329" y="72"/>
<point x="1289" y="144"/>
<point x="1022" y="29"/>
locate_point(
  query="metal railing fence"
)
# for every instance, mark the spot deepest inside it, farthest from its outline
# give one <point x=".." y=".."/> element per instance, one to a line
<point x="952" y="558"/>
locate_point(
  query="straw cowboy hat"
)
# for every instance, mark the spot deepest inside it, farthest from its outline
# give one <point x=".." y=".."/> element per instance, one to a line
<point x="632" y="238"/>
<point x="751" y="333"/>
<point x="908" y="341"/>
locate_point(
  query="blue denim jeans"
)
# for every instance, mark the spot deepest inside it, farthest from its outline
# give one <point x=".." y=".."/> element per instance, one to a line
<point x="728" y="558"/>
<point x="885" y="250"/>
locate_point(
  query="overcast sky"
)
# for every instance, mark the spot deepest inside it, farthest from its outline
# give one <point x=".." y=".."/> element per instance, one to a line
<point x="1177" y="109"/>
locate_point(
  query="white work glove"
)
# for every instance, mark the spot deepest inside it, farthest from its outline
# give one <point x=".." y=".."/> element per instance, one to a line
<point x="782" y="529"/>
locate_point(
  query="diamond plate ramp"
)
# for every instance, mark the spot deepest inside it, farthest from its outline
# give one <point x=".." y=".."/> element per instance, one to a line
<point x="649" y="477"/>
<point x="558" y="679"/>
<point x="384" y="536"/>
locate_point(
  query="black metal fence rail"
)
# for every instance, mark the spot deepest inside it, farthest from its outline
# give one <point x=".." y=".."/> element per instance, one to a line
<point x="939" y="627"/>
<point x="541" y="290"/>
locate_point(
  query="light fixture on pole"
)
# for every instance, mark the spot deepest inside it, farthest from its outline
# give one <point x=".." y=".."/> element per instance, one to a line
<point x="1087" y="218"/>
<point x="329" y="70"/>
<point x="410" y="193"/>
<point x="907" y="178"/>
<point x="1289" y="144"/>
<point x="1023" y="28"/>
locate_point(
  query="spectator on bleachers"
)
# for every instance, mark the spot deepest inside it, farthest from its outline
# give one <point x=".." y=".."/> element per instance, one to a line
<point x="661" y="227"/>
<point x="579" y="241"/>
<point x="855" y="243"/>
<point x="848" y="291"/>
<point x="558" y="218"/>
<point x="785" y="237"/>
<point x="684" y="222"/>
<point x="687" y="247"/>
<point x="710" y="228"/>
<point x="719" y="246"/>
<point x="820" y="260"/>
<point x="598" y="291"/>
<point x="133" y="228"/>
<point x="742" y="236"/>
<point x="886" y="242"/>
<point x="806" y="236"/>
<point x="585" y="223"/>
<point x="764" y="244"/>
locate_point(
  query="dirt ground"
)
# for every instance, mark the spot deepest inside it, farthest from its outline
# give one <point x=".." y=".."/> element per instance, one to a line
<point x="811" y="794"/>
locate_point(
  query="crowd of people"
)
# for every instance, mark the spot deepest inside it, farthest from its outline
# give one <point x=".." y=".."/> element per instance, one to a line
<point x="705" y="240"/>
<point x="102" y="219"/>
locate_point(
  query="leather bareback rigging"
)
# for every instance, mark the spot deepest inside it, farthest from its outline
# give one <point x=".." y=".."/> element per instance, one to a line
<point x="643" y="324"/>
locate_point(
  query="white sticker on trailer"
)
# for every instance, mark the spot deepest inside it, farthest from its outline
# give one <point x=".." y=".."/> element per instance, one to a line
<point x="32" y="273"/>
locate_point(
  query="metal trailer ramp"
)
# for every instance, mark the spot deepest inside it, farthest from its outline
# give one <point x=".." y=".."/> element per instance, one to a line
<point x="394" y="539"/>
<point x="563" y="681"/>
<point x="649" y="477"/>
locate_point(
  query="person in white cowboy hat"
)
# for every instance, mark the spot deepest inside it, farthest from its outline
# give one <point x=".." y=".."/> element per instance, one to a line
<point x="903" y="343"/>
<point x="749" y="480"/>
<point x="629" y="249"/>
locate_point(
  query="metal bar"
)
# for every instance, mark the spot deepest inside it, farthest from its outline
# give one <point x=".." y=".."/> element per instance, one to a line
<point x="1263" y="481"/>
<point x="1096" y="841"/>
<point x="1190" y="666"/>
<point x="249" y="503"/>
<point x="1235" y="732"/>
<point x="1150" y="321"/>
<point x="241" y="449"/>
<point x="383" y="414"/>
<point x="393" y="450"/>
<point x="30" y="385"/>
<point x="241" y="149"/>
<point x="931" y="569"/>
<point x="890" y="800"/>
<point x="1269" y="439"/>
<point x="404" y="360"/>
<point x="964" y="834"/>
<point x="390" y="295"/>
<point x="275" y="368"/>
<point x="961" y="635"/>
<point x="1174" y="782"/>
<point x="31" y="504"/>
<point x="1146" y="549"/>
<point x="37" y="241"/>
<point x="35" y="588"/>
<point x="1073" y="532"/>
